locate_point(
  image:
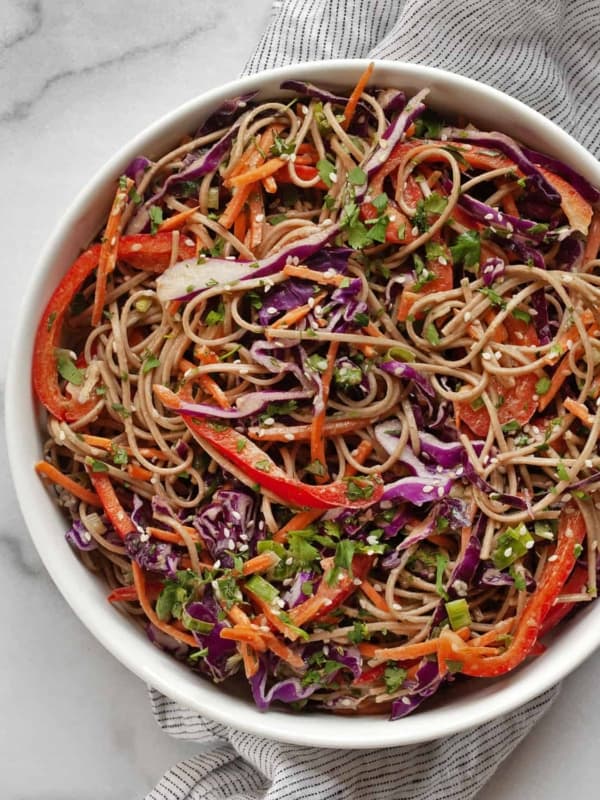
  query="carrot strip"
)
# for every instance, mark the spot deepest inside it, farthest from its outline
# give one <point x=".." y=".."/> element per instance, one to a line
<point x="76" y="489"/>
<point x="297" y="523"/>
<point x="373" y="595"/>
<point x="580" y="411"/>
<point x="317" y="438"/>
<point x="177" y="220"/>
<point x="561" y="374"/>
<point x="256" y="174"/>
<point x="257" y="215"/>
<point x="508" y="205"/>
<point x="283" y="651"/>
<point x="240" y="226"/>
<point x="352" y="103"/>
<point x="272" y="617"/>
<point x="260" y="563"/>
<point x="139" y="581"/>
<point x="102" y="443"/>
<point x="362" y="452"/>
<point x="172" y="536"/>
<point x="208" y="383"/>
<point x="235" y="205"/>
<point x="249" y="659"/>
<point x="408" y="652"/>
<point x="307" y="610"/>
<point x="244" y="633"/>
<point x="299" y="271"/>
<point x="301" y="433"/>
<point x="294" y="316"/>
<point x="368" y="650"/>
<point x="269" y="184"/>
<point x="138" y="473"/>
<point x="108" y="251"/>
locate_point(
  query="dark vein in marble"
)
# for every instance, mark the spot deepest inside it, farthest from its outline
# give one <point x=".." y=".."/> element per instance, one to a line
<point x="34" y="9"/>
<point x="17" y="554"/>
<point x="21" y="109"/>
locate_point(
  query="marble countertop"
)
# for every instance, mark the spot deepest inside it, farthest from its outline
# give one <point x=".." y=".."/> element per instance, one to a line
<point x="77" y="80"/>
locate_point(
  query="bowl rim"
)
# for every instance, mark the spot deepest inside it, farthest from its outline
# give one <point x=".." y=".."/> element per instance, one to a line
<point x="574" y="644"/>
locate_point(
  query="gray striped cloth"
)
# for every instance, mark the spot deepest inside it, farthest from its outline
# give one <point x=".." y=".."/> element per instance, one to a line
<point x="546" y="54"/>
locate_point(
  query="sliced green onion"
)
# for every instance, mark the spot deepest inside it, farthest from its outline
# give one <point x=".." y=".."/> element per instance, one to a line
<point x="262" y="588"/>
<point x="400" y="354"/>
<point x="543" y="385"/>
<point x="512" y="545"/>
<point x="458" y="614"/>
<point x="142" y="304"/>
<point x="198" y="625"/>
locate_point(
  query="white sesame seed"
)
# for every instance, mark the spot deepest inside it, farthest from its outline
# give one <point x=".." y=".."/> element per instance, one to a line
<point x="428" y="489"/>
<point x="486" y="356"/>
<point x="269" y="421"/>
<point x="231" y="544"/>
<point x="529" y="544"/>
<point x="589" y="463"/>
<point x="468" y="316"/>
<point x="289" y="561"/>
<point x="371" y="539"/>
<point x="396" y="606"/>
<point x="553" y="557"/>
<point x="357" y="581"/>
<point x="415" y="231"/>
<point x="498" y="355"/>
<point x="489" y="216"/>
<point x="327" y="601"/>
<point x="406" y="701"/>
<point x="508" y="552"/>
<point x="440" y="491"/>
<point x="289" y="437"/>
<point x="333" y="177"/>
<point x="443" y="261"/>
<point x="217" y="564"/>
<point x="272" y="310"/>
<point x="259" y="217"/>
<point x="243" y="547"/>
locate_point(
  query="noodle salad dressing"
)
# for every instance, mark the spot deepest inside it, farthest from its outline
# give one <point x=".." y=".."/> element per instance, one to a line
<point x="323" y="399"/>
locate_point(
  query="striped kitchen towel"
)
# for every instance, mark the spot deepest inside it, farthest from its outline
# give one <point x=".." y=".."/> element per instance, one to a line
<point x="544" y="52"/>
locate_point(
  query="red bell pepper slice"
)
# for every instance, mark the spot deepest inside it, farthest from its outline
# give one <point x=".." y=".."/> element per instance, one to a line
<point x="576" y="209"/>
<point x="119" y="518"/>
<point x="571" y="531"/>
<point x="129" y="594"/>
<point x="305" y="172"/>
<point x="142" y="251"/>
<point x="519" y="403"/>
<point x="262" y="470"/>
<point x="370" y="675"/>
<point x="576" y="584"/>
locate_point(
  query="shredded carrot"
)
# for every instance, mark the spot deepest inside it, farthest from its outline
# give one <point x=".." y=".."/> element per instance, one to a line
<point x="352" y="103"/>
<point x="283" y="651"/>
<point x="297" y="523"/>
<point x="249" y="659"/>
<point x="301" y="433"/>
<point x="208" y="383"/>
<point x="257" y="215"/>
<point x="561" y="374"/>
<point x="244" y="633"/>
<point x="256" y="174"/>
<point x="76" y="489"/>
<point x="300" y="271"/>
<point x="317" y="439"/>
<point x="362" y="452"/>
<point x="367" y="650"/>
<point x="508" y="205"/>
<point x="254" y="155"/>
<point x="373" y="595"/>
<point x="235" y="205"/>
<point x="172" y="536"/>
<point x="139" y="580"/>
<point x="240" y="226"/>
<point x="272" y="617"/>
<point x="307" y="610"/>
<point x="108" y="251"/>
<point x="173" y="307"/>
<point x="441" y="540"/>
<point x="138" y="473"/>
<point x="177" y="220"/>
<point x="260" y="563"/>
<point x="269" y="184"/>
<point x="580" y="411"/>
<point x="408" y="652"/>
<point x="102" y="443"/>
<point x="294" y="316"/>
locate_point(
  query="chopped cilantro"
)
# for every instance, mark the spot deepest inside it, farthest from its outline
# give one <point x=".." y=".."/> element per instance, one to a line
<point x="67" y="369"/>
<point x="493" y="296"/>
<point x="394" y="678"/>
<point x="215" y="316"/>
<point x="357" y="176"/>
<point x="543" y="385"/>
<point x="150" y="362"/>
<point x="467" y="249"/>
<point x="156" y="217"/>
<point x="326" y="169"/>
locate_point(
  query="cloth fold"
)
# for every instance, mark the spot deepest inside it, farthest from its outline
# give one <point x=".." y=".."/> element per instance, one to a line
<point x="545" y="53"/>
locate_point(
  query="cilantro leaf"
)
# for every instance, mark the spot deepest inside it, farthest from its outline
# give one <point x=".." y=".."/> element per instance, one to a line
<point x="467" y="249"/>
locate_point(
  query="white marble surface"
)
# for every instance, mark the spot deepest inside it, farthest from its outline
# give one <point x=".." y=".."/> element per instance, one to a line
<point x="77" y="79"/>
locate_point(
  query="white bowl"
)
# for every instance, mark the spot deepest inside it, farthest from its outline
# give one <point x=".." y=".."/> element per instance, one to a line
<point x="468" y="704"/>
